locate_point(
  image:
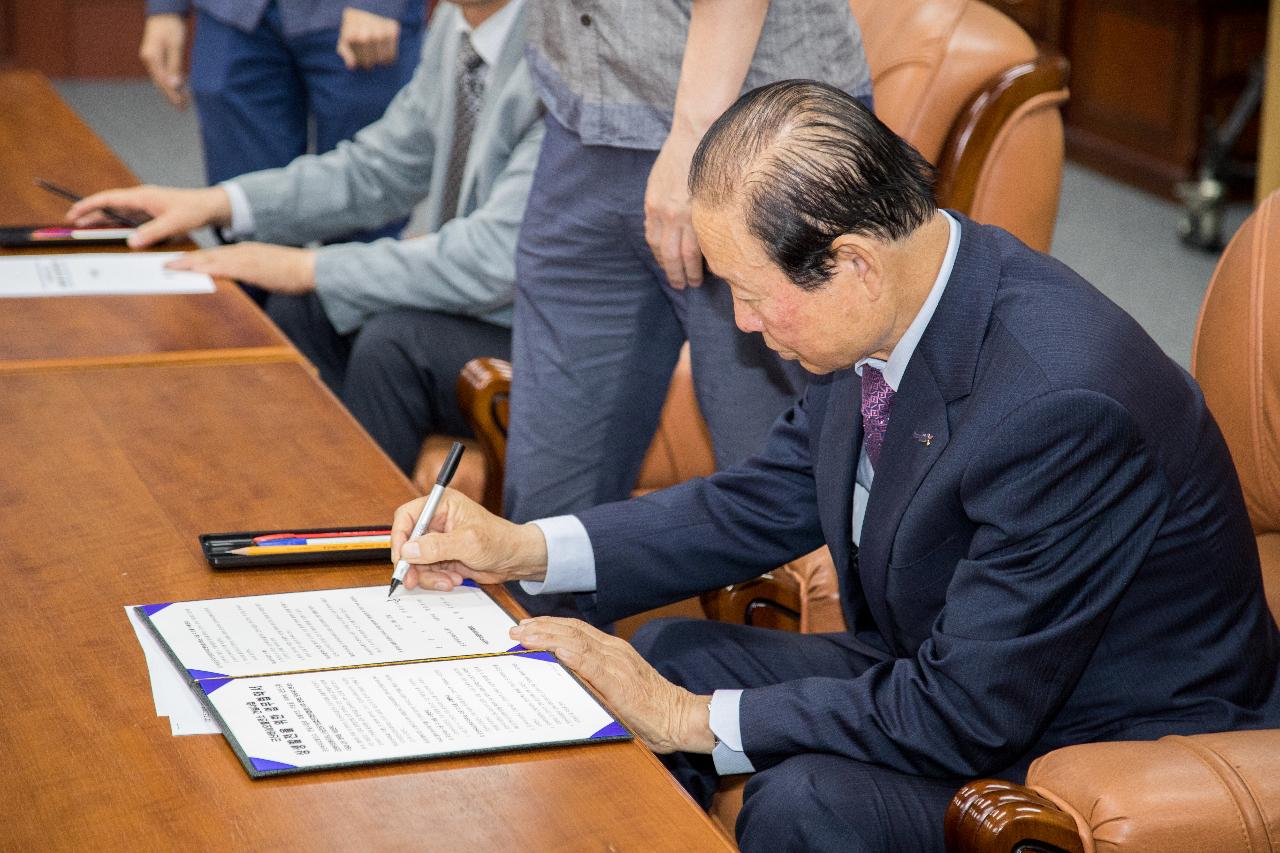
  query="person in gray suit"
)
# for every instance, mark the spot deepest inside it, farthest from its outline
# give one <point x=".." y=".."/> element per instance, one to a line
<point x="389" y="324"/>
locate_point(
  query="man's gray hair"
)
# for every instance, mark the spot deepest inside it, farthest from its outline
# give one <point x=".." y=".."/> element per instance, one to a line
<point x="809" y="163"/>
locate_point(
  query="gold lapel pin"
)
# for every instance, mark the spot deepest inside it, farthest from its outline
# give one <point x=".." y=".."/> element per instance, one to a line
<point x="925" y="438"/>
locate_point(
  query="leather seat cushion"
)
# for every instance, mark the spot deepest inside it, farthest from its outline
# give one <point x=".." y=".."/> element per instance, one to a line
<point x="1217" y="792"/>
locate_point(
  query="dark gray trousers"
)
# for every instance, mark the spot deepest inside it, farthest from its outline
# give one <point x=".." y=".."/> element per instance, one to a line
<point x="398" y="372"/>
<point x="597" y="332"/>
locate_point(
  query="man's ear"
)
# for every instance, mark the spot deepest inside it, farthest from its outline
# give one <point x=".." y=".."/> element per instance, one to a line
<point x="858" y="260"/>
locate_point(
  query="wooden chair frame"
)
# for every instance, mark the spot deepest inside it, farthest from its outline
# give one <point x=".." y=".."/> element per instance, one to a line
<point x="994" y="816"/>
<point x="484" y="394"/>
<point x="972" y="137"/>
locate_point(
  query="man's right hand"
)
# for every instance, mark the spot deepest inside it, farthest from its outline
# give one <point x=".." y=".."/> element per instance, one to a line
<point x="173" y="212"/>
<point x="164" y="41"/>
<point x="465" y="541"/>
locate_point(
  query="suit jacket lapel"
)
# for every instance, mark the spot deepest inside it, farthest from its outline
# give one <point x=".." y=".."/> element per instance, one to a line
<point x="917" y="435"/>
<point x="941" y="370"/>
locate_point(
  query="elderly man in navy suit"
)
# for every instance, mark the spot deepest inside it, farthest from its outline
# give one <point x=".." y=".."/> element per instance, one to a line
<point x="1038" y="530"/>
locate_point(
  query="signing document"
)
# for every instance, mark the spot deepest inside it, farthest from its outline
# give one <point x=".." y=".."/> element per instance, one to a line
<point x="332" y="678"/>
<point x="98" y="274"/>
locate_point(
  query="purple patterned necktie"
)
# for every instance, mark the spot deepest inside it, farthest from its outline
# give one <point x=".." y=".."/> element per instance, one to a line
<point x="877" y="399"/>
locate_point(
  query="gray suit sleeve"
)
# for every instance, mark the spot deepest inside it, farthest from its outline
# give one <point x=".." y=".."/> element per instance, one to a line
<point x="374" y="179"/>
<point x="466" y="267"/>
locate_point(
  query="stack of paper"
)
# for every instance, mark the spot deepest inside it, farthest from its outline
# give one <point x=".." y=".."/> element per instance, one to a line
<point x="342" y="677"/>
<point x="94" y="274"/>
<point x="171" y="692"/>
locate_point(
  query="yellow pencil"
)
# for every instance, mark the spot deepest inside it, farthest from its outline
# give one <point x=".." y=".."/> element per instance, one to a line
<point x="256" y="550"/>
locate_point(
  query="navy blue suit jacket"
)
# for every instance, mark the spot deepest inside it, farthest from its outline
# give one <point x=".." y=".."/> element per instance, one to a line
<point x="1055" y="549"/>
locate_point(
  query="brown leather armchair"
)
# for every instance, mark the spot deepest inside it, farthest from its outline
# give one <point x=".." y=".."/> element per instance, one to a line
<point x="1218" y="792"/>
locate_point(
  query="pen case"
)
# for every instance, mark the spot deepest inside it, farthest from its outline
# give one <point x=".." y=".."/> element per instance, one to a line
<point x="51" y="236"/>
<point x="215" y="546"/>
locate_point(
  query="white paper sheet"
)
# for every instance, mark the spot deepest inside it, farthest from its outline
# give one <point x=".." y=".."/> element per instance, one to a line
<point x="409" y="710"/>
<point x="330" y="628"/>
<point x="97" y="274"/>
<point x="170" y="691"/>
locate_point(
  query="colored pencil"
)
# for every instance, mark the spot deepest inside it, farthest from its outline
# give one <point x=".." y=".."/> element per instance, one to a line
<point x="278" y="543"/>
<point x="268" y="537"/>
<point x="262" y="550"/>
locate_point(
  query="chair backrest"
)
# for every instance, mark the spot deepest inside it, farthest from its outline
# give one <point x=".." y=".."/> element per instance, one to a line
<point x="925" y="65"/>
<point x="969" y="89"/>
<point x="1236" y="359"/>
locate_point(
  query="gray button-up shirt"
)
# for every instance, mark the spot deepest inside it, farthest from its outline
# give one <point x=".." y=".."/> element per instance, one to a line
<point x="607" y="69"/>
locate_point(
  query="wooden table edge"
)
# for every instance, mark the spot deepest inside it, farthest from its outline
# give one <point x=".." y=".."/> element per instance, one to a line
<point x="229" y="355"/>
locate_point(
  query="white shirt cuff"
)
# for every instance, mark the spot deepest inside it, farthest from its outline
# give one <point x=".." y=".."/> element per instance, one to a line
<point x="242" y="223"/>
<point x="571" y="563"/>
<point x="728" y="756"/>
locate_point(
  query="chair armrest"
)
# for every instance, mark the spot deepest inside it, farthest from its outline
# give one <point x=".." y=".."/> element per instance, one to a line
<point x="802" y="595"/>
<point x="484" y="391"/>
<point x="1217" y="792"/>
<point x="970" y="141"/>
<point x="994" y="816"/>
<point x="769" y="601"/>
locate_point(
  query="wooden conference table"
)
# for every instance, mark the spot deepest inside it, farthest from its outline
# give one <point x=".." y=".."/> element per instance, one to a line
<point x="107" y="475"/>
<point x="40" y="137"/>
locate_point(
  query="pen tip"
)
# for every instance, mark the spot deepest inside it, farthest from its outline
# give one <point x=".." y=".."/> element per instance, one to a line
<point x="394" y="583"/>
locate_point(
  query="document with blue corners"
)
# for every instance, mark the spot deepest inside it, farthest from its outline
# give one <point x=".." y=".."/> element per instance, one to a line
<point x="342" y="677"/>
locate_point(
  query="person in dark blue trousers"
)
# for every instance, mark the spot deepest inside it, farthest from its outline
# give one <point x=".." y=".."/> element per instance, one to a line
<point x="263" y="70"/>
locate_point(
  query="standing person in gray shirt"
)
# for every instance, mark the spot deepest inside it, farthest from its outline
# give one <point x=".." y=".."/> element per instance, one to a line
<point x="610" y="278"/>
<point x="389" y="324"/>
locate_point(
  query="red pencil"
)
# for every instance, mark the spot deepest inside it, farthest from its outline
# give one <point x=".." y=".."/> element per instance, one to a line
<point x="342" y="534"/>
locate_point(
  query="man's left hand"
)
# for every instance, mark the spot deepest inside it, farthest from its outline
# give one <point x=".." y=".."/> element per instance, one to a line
<point x="667" y="717"/>
<point x="280" y="269"/>
<point x="668" y="212"/>
<point x="366" y="40"/>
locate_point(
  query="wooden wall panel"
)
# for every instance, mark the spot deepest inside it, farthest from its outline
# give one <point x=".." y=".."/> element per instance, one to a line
<point x="77" y="38"/>
<point x="1135" y="91"/>
<point x="6" y="34"/>
<point x="105" y="35"/>
<point x="1144" y="77"/>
